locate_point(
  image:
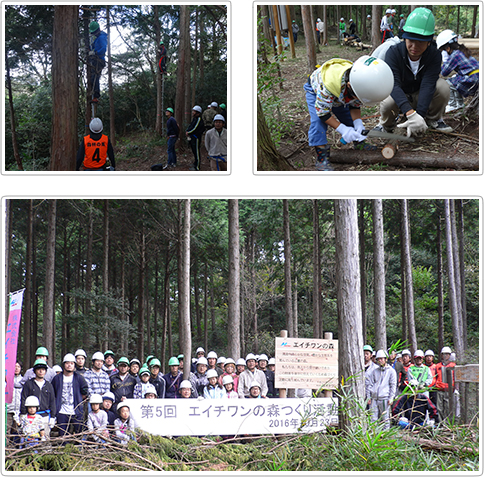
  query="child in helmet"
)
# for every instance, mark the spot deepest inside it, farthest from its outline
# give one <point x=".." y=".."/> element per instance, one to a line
<point x="228" y="384"/>
<point x="213" y="390"/>
<point x="31" y="426"/>
<point x="150" y="392"/>
<point x="144" y="375"/>
<point x="107" y="406"/>
<point x="185" y="389"/>
<point x="457" y="57"/>
<point x="97" y="420"/>
<point x="334" y="95"/>
<point x="124" y="424"/>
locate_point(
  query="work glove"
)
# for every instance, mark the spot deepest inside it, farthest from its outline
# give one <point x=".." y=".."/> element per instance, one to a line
<point x="92" y="53"/>
<point x="415" y="124"/>
<point x="349" y="134"/>
<point x="52" y="422"/>
<point x="358" y="125"/>
<point x="413" y="382"/>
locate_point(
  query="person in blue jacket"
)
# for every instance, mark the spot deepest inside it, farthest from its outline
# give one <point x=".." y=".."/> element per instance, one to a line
<point x="71" y="389"/>
<point x="97" y="51"/>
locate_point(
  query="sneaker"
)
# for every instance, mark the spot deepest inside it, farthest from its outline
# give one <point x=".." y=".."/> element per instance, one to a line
<point x="193" y="168"/>
<point x="439" y="125"/>
<point x="381" y="128"/>
<point x="166" y="166"/>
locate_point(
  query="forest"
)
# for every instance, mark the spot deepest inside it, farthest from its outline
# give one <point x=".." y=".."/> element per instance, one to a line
<point x="163" y="276"/>
<point x="43" y="130"/>
<point x="113" y="271"/>
<point x="284" y="61"/>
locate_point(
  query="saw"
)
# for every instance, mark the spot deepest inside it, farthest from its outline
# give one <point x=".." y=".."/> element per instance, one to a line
<point x="387" y="135"/>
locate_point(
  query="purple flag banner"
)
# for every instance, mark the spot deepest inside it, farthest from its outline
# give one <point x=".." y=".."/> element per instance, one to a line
<point x="11" y="341"/>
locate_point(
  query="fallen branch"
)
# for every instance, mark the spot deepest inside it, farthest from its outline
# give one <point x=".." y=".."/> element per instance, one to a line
<point x="462" y="136"/>
<point x="438" y="446"/>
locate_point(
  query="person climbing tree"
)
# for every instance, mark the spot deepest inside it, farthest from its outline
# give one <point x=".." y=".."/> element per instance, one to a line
<point x="99" y="43"/>
<point x="162" y="62"/>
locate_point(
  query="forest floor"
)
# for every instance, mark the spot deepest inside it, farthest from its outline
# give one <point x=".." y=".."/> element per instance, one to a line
<point x="141" y="150"/>
<point x="293" y="142"/>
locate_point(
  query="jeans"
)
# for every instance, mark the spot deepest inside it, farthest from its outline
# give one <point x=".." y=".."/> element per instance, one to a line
<point x="97" y="65"/>
<point x="318" y="128"/>
<point x="171" y="151"/>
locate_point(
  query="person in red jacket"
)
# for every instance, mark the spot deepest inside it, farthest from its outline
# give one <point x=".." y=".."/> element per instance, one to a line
<point x="442" y="384"/>
<point x="429" y="362"/>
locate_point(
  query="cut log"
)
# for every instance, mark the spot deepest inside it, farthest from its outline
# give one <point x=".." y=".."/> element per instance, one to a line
<point x="389" y="150"/>
<point x="404" y="159"/>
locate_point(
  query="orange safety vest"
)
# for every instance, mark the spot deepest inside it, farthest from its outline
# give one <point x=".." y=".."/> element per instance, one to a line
<point x="95" y="152"/>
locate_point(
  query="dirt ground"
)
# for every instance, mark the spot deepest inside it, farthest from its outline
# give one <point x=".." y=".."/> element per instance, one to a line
<point x="463" y="143"/>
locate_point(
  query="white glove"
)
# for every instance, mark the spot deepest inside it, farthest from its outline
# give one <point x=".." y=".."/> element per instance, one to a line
<point x="445" y="56"/>
<point x="52" y="422"/>
<point x="358" y="125"/>
<point x="415" y="124"/>
<point x="349" y="134"/>
<point x="200" y="398"/>
<point x="413" y="382"/>
<point x="92" y="52"/>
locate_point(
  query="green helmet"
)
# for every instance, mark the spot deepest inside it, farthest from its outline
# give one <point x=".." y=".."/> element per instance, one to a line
<point x="149" y="358"/>
<point x="222" y="106"/>
<point x="420" y="25"/>
<point x="155" y="362"/>
<point x="108" y="353"/>
<point x="180" y="356"/>
<point x="171" y="110"/>
<point x="93" y="26"/>
<point x="368" y="348"/>
<point x="173" y="361"/>
<point x="123" y="360"/>
<point x="40" y="363"/>
<point x="42" y="351"/>
<point x="144" y="370"/>
<point x="161" y="42"/>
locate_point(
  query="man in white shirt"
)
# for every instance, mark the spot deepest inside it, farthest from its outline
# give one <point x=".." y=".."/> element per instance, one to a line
<point x="216" y="144"/>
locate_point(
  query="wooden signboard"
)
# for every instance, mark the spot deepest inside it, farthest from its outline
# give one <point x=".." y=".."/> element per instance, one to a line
<point x="467" y="374"/>
<point x="306" y="363"/>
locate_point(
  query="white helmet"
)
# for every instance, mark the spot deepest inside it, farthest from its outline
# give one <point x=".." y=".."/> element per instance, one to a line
<point x="57" y="368"/>
<point x="122" y="404"/>
<point x="371" y="79"/>
<point x="185" y="384"/>
<point x="389" y="10"/>
<point x="202" y="360"/>
<point x="221" y="360"/>
<point x="429" y="352"/>
<point x="32" y="401"/>
<point x="211" y="373"/>
<point x="80" y="352"/>
<point x="219" y="117"/>
<point x="109" y="395"/>
<point x="406" y="351"/>
<point x="418" y="354"/>
<point x="96" y="399"/>
<point x="249" y="356"/>
<point x="214" y="105"/>
<point x="150" y="389"/>
<point x="446" y="36"/>
<point x="96" y="125"/>
<point x="212" y="354"/>
<point x="381" y="354"/>
<point x="229" y="361"/>
<point x="227" y="379"/>
<point x="200" y="350"/>
<point x="98" y="355"/>
<point x="263" y="357"/>
<point x="240" y="362"/>
<point x="272" y="361"/>
<point x="446" y="349"/>
<point x="197" y="108"/>
<point x="254" y="384"/>
<point x="69" y="357"/>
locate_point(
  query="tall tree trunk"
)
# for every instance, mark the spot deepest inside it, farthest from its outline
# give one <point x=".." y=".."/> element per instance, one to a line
<point x="317" y="325"/>
<point x="13" y="129"/>
<point x="460" y="236"/>
<point x="287" y="269"/>
<point x="141" y="292"/>
<point x="158" y="76"/>
<point x="325" y="20"/>
<point x="28" y="294"/>
<point x="350" y="336"/>
<point x="455" y="254"/>
<point x="49" y="288"/>
<point x="376" y="15"/>
<point x="309" y="37"/>
<point x="275" y="18"/>
<point x="289" y="32"/>
<point x="184" y="290"/>
<point x="112" y="129"/>
<point x="180" y="73"/>
<point x="456" y="324"/>
<point x="379" y="274"/>
<point x="440" y="284"/>
<point x="196" y="294"/>
<point x="106" y="267"/>
<point x="407" y="267"/>
<point x="361" y="227"/>
<point x="64" y="88"/>
<point x="233" y="338"/>
<point x="125" y="317"/>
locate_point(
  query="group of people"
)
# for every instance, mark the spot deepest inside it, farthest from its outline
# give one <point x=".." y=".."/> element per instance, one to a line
<point x="408" y="73"/>
<point x="413" y="391"/>
<point x="73" y="398"/>
<point x="388" y="25"/>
